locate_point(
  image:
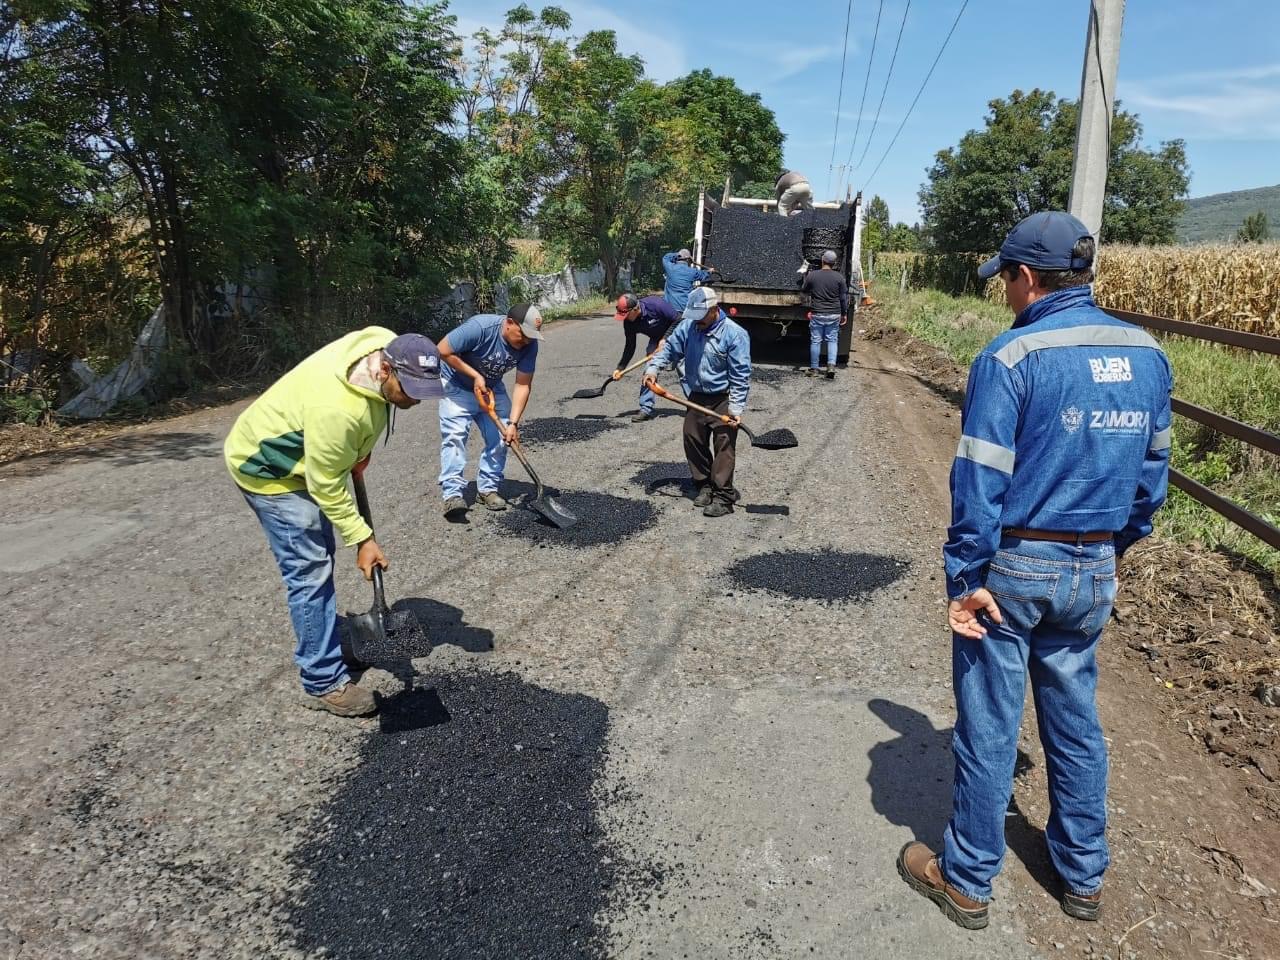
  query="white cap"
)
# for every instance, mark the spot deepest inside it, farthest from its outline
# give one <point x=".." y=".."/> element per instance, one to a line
<point x="701" y="300"/>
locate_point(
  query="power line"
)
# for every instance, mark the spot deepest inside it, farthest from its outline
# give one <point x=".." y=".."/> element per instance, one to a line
<point x="917" y="98"/>
<point x="844" y="59"/>
<point x="865" y="83"/>
<point x="888" y="76"/>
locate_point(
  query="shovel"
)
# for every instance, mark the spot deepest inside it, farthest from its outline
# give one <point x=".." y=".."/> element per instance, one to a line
<point x="599" y="391"/>
<point x="782" y="439"/>
<point x="367" y="633"/>
<point x="546" y="506"/>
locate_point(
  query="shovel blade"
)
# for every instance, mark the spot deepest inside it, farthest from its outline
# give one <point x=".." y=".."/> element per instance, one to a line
<point x="782" y="439"/>
<point x="588" y="394"/>
<point x="554" y="512"/>
<point x="365" y="633"/>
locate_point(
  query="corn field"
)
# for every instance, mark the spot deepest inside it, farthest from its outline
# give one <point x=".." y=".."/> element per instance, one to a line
<point x="1235" y="286"/>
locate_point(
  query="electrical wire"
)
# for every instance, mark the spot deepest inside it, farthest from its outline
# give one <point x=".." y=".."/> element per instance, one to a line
<point x="885" y="89"/>
<point x="865" y="83"/>
<point x="917" y="98"/>
<point x="844" y="59"/>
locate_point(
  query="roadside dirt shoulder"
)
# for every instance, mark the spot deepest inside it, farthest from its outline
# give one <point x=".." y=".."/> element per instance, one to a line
<point x="1194" y="797"/>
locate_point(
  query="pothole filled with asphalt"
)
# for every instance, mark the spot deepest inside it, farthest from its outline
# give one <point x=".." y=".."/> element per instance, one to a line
<point x="477" y="832"/>
<point x="830" y="576"/>
<point x="563" y="429"/>
<point x="602" y="518"/>
<point x="669" y="477"/>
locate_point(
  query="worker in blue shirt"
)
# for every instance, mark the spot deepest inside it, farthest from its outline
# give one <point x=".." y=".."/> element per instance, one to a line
<point x="680" y="275"/>
<point x="652" y="317"/>
<point x="1063" y="460"/>
<point x="717" y="374"/>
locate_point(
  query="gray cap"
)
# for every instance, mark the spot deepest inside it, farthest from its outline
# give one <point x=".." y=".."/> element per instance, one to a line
<point x="529" y="317"/>
<point x="829" y="256"/>
<point x="684" y="254"/>
<point x="701" y="300"/>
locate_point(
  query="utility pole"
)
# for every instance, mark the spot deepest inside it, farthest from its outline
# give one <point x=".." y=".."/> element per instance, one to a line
<point x="1097" y="98"/>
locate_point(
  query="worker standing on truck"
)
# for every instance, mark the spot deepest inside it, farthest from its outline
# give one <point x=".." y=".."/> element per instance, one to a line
<point x="717" y="374"/>
<point x="291" y="451"/>
<point x="793" y="193"/>
<point x="477" y="354"/>
<point x="1063" y="460"/>
<point x="828" y="311"/>
<point x="681" y="275"/>
<point x="653" y="317"/>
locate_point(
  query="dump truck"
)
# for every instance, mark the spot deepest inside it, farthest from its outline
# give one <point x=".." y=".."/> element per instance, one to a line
<point x="761" y="259"/>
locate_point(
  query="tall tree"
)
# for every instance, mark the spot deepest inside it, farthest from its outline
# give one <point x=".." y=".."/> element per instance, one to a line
<point x="1020" y="162"/>
<point x="876" y="225"/>
<point x="1254" y="229"/>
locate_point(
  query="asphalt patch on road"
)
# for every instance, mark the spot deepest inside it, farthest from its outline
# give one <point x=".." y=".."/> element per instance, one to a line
<point x="478" y="834"/>
<point x="672" y="473"/>
<point x="563" y="429"/>
<point x="830" y="576"/>
<point x="772" y="376"/>
<point x="602" y="518"/>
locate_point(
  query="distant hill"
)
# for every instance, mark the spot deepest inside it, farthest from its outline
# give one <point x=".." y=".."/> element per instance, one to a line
<point x="1217" y="217"/>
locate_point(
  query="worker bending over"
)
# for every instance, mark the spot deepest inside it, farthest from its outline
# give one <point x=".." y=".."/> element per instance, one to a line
<point x="793" y="193"/>
<point x="291" y="452"/>
<point x="1063" y="460"/>
<point x="717" y="374"/>
<point x="828" y="312"/>
<point x="476" y="356"/>
<point x="653" y="317"/>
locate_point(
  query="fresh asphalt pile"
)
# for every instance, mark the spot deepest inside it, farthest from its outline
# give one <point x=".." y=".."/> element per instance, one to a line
<point x="475" y="833"/>
<point x="602" y="518"/>
<point x="406" y="638"/>
<point x="781" y="437"/>
<point x="662" y="474"/>
<point x="831" y="576"/>
<point x="745" y="244"/>
<point x="563" y="429"/>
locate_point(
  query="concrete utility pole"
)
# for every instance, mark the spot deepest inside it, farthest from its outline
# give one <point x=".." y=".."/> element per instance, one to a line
<point x="1097" y="98"/>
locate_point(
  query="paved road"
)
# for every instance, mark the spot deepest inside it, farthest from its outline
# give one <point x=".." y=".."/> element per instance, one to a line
<point x="773" y="754"/>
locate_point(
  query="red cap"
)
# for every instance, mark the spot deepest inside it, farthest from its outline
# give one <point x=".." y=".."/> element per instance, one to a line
<point x="626" y="303"/>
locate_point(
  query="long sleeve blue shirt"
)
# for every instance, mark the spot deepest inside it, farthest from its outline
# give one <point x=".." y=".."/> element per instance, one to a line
<point x="680" y="278"/>
<point x="715" y="361"/>
<point x="1066" y="427"/>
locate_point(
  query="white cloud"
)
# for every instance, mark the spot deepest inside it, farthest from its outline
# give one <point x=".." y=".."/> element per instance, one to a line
<point x="1236" y="104"/>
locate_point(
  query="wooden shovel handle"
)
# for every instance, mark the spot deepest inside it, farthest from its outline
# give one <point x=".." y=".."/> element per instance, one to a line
<point x="639" y="363"/>
<point x="657" y="388"/>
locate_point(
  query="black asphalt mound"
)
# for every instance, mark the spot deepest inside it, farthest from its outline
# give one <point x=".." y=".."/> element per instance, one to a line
<point x="602" y="518"/>
<point x="659" y="472"/>
<point x="772" y="376"/>
<point x="829" y="575"/>
<point x="755" y="249"/>
<point x="474" y="832"/>
<point x="563" y="429"/>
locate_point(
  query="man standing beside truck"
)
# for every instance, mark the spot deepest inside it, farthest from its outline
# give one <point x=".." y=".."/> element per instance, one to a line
<point x="681" y="275"/>
<point x="828" y="311"/>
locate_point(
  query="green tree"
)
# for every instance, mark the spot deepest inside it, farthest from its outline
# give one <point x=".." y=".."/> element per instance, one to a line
<point x="904" y="238"/>
<point x="1255" y="229"/>
<point x="1020" y="162"/>
<point x="875" y="226"/>
<point x="737" y="132"/>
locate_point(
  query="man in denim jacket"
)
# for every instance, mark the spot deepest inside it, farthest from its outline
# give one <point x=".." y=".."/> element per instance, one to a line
<point x="1063" y="460"/>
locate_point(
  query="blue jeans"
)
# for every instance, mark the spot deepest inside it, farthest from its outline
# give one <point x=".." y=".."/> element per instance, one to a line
<point x="458" y="409"/>
<point x="823" y="328"/>
<point x="1055" y="599"/>
<point x="648" y="400"/>
<point x="301" y="539"/>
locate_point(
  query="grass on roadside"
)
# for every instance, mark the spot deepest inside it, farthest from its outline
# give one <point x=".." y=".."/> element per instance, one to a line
<point x="579" y="308"/>
<point x="1242" y="385"/>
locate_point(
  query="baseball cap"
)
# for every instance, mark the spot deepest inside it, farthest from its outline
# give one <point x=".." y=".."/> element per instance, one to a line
<point x="1043" y="241"/>
<point x="684" y="254"/>
<point x="530" y="319"/>
<point x="828" y="256"/>
<point x="701" y="300"/>
<point x="416" y="362"/>
<point x="626" y="303"/>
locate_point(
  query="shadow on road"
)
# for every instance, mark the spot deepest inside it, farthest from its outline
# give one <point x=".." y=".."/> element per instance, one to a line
<point x="910" y="780"/>
<point x="124" y="449"/>
<point x="445" y="623"/>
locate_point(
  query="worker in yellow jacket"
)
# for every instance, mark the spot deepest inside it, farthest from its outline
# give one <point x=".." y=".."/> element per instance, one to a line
<point x="291" y="452"/>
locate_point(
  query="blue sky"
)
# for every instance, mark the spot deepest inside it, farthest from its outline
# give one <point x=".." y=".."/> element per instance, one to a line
<point x="1207" y="72"/>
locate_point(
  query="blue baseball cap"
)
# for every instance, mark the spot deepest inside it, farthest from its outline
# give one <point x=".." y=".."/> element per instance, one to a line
<point x="1043" y="241"/>
<point x="416" y="362"/>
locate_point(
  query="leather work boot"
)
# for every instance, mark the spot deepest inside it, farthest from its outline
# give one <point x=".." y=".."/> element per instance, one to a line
<point x="492" y="501"/>
<point x="1082" y="907"/>
<point x="717" y="508"/>
<point x="642" y="416"/>
<point x="455" y="508"/>
<point x="918" y="865"/>
<point x="704" y="497"/>
<point x="348" y="700"/>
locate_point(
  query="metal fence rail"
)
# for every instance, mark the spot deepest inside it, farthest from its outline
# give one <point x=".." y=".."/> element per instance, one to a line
<point x="1267" y="532"/>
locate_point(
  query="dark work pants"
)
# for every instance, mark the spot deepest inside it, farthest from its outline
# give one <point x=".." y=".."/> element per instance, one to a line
<point x="710" y="447"/>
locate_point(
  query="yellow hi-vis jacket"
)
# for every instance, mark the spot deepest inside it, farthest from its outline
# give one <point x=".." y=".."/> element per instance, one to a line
<point x="310" y="428"/>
